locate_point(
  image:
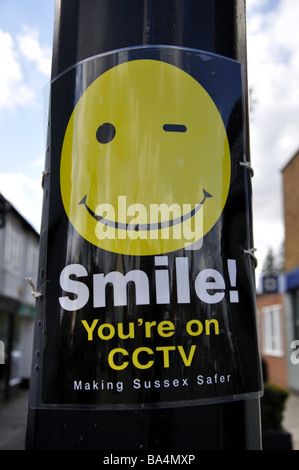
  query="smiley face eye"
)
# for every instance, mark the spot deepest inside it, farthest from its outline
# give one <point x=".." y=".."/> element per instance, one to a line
<point x="105" y="133"/>
<point x="174" y="128"/>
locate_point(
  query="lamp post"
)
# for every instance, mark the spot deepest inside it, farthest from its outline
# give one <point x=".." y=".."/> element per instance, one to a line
<point x="148" y="106"/>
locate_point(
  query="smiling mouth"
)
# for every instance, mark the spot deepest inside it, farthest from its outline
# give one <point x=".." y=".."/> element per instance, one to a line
<point x="145" y="227"/>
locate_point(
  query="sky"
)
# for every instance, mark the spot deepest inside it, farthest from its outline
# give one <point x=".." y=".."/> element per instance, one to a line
<point x="26" y="32"/>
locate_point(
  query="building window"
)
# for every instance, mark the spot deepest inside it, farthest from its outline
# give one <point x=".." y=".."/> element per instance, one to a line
<point x="31" y="259"/>
<point x="272" y="331"/>
<point x="13" y="246"/>
<point x="295" y="302"/>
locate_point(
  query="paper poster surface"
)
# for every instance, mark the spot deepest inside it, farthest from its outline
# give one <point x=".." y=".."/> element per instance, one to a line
<point x="149" y="290"/>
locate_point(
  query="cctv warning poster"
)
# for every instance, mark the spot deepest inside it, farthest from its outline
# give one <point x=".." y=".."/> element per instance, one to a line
<point x="147" y="266"/>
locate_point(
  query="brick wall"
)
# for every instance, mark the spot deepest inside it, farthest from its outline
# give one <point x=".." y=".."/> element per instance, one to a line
<point x="291" y="212"/>
<point x="276" y="366"/>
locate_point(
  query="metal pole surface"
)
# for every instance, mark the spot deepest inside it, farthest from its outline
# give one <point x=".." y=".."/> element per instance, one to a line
<point x="84" y="29"/>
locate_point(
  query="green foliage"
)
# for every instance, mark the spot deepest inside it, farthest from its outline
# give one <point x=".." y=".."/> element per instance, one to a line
<point x="274" y="262"/>
<point x="273" y="406"/>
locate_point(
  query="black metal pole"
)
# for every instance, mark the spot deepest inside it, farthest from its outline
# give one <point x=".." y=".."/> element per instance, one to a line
<point x="84" y="29"/>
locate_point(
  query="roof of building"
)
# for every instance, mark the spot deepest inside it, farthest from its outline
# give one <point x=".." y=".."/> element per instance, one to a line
<point x="6" y="206"/>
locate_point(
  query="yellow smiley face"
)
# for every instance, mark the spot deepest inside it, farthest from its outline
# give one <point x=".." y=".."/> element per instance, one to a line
<point x="145" y="162"/>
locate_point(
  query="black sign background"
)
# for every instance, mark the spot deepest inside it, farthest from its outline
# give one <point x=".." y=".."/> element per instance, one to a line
<point x="67" y="356"/>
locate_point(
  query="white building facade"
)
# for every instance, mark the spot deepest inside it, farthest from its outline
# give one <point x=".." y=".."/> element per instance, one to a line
<point x="19" y="244"/>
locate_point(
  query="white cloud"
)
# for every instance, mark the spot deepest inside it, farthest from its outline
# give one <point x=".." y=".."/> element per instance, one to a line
<point x="31" y="49"/>
<point x="273" y="73"/>
<point x="13" y="90"/>
<point x="25" y="194"/>
<point x="252" y="4"/>
<point x="26" y="64"/>
<point x="17" y="87"/>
